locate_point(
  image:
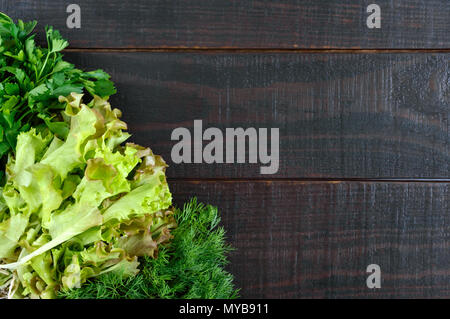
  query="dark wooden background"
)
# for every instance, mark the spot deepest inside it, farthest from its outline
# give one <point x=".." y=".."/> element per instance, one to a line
<point x="364" y="128"/>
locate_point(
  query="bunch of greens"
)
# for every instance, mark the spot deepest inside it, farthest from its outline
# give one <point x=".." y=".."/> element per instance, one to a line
<point x="32" y="78"/>
<point x="76" y="208"/>
<point x="81" y="214"/>
<point x="191" y="266"/>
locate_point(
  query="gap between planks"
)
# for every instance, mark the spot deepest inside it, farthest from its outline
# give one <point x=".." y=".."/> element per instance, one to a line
<point x="258" y="50"/>
<point x="311" y="180"/>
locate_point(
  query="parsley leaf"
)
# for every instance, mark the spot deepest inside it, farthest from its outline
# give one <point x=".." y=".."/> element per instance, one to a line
<point x="33" y="77"/>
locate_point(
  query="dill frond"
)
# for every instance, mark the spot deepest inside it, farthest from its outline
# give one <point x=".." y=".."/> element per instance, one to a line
<point x="191" y="266"/>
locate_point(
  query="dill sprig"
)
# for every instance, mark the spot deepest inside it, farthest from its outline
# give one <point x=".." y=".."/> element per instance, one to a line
<point x="191" y="266"/>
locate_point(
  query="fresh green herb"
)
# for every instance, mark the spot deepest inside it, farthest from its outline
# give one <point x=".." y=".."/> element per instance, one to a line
<point x="32" y="78"/>
<point x="190" y="266"/>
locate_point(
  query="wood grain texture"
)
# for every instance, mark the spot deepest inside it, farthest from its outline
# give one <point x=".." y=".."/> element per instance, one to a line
<point x="243" y="23"/>
<point x="315" y="239"/>
<point x="339" y="115"/>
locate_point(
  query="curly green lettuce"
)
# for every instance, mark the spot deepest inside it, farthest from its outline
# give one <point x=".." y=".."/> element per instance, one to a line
<point x="80" y="207"/>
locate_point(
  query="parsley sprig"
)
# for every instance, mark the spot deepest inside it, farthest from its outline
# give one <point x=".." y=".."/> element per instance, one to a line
<point x="32" y="78"/>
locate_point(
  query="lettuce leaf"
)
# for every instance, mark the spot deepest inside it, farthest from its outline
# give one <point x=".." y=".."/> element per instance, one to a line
<point x="80" y="206"/>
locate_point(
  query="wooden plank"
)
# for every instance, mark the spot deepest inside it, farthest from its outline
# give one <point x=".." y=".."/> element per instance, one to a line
<point x="243" y="24"/>
<point x="315" y="239"/>
<point x="339" y="115"/>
